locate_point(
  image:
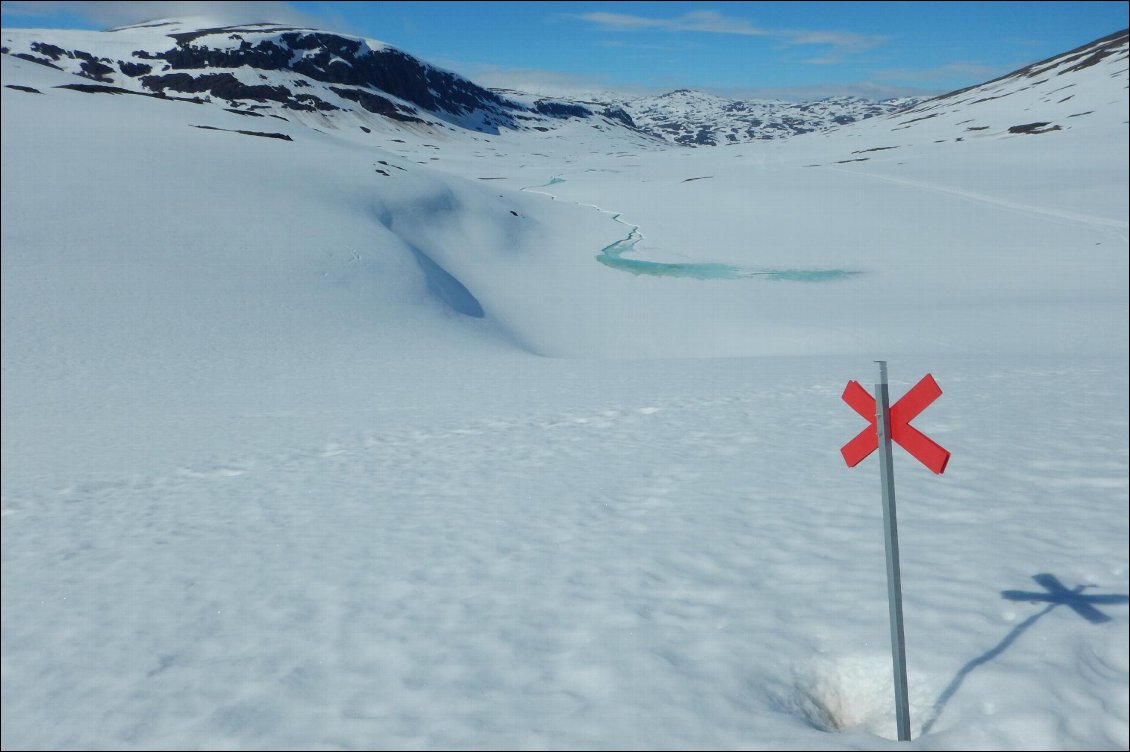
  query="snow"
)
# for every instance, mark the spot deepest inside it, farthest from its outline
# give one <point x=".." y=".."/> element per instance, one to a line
<point x="262" y="489"/>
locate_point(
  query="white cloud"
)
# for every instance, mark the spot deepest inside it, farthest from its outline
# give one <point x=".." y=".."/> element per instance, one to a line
<point x="845" y="41"/>
<point x="974" y="71"/>
<point x="830" y="59"/>
<point x="110" y="14"/>
<point x="713" y="22"/>
<point x="619" y="44"/>
<point x="544" y="82"/>
<point x="704" y="20"/>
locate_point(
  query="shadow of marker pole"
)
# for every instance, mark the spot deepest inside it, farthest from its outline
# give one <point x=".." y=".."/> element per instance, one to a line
<point x="1056" y="595"/>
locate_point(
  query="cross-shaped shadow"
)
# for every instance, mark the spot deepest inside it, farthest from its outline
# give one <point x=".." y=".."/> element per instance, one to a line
<point x="1058" y="595"/>
<point x="1055" y="595"/>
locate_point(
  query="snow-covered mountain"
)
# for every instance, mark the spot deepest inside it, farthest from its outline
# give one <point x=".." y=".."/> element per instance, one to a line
<point x="449" y="422"/>
<point x="269" y="69"/>
<point x="696" y="118"/>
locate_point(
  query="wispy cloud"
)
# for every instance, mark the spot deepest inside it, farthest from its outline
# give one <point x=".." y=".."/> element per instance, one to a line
<point x="830" y="59"/>
<point x="619" y="44"/>
<point x="110" y="14"/>
<point x="702" y="20"/>
<point x="845" y="41"/>
<point x="940" y="72"/>
<point x="713" y="22"/>
<point x="544" y="82"/>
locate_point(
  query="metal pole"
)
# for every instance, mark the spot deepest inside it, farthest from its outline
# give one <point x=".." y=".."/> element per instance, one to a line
<point x="890" y="529"/>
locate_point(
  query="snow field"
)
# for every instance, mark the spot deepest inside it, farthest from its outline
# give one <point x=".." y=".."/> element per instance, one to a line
<point x="261" y="490"/>
<point x="668" y="571"/>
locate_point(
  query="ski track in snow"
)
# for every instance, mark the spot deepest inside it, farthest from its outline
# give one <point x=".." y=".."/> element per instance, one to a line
<point x="1115" y="228"/>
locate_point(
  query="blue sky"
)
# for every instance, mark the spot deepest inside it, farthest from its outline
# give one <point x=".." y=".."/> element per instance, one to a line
<point x="798" y="50"/>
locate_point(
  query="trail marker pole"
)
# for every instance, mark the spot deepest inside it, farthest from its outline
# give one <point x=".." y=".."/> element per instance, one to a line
<point x="891" y="541"/>
<point x="889" y="423"/>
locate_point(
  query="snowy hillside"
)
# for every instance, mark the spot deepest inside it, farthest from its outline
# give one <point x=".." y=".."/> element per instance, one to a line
<point x="440" y="420"/>
<point x="1063" y="92"/>
<point x="267" y="69"/>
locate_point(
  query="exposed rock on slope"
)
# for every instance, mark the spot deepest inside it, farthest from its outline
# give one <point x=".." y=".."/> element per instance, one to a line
<point x="267" y="66"/>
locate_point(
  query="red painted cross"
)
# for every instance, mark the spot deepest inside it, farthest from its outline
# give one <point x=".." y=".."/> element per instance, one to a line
<point x="920" y="446"/>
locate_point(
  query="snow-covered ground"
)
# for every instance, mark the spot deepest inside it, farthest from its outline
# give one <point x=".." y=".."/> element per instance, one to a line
<point x="263" y="487"/>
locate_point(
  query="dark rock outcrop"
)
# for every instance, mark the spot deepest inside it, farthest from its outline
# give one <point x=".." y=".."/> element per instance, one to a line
<point x="376" y="104"/>
<point x="561" y="109"/>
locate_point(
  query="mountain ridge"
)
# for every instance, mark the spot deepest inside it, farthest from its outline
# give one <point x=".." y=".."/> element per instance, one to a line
<point x="271" y="66"/>
<point x="287" y="71"/>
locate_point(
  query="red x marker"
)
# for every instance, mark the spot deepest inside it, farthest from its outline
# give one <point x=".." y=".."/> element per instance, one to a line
<point x="920" y="446"/>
